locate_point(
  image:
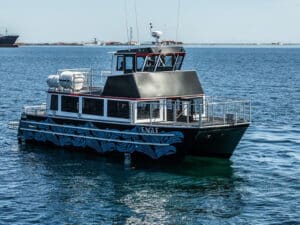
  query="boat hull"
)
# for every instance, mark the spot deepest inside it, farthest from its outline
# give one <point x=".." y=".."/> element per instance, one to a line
<point x="141" y="141"/>
<point x="8" y="41"/>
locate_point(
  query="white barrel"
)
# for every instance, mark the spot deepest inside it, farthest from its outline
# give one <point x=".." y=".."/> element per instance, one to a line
<point x="53" y="81"/>
<point x="71" y="80"/>
<point x="78" y="81"/>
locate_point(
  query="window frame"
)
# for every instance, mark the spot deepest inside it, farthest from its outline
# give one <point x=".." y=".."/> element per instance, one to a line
<point x="97" y="111"/>
<point x="54" y="102"/>
<point x="69" y="106"/>
<point x="115" y="112"/>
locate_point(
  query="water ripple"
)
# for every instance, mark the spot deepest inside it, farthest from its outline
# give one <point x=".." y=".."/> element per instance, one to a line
<point x="259" y="185"/>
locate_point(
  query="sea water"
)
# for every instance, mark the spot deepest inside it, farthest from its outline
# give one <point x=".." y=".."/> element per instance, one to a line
<point x="260" y="184"/>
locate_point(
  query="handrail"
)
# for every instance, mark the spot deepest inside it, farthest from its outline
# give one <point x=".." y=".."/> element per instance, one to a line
<point x="103" y="76"/>
<point x="184" y="113"/>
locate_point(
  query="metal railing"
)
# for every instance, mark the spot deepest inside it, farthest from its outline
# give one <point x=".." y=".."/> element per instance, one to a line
<point x="103" y="76"/>
<point x="92" y="79"/>
<point x="226" y="113"/>
<point x="207" y="113"/>
<point x="88" y="79"/>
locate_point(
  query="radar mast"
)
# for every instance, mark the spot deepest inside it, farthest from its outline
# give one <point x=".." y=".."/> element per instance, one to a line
<point x="156" y="34"/>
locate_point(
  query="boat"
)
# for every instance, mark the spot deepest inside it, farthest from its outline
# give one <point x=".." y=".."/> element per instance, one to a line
<point x="8" y="40"/>
<point x="145" y="108"/>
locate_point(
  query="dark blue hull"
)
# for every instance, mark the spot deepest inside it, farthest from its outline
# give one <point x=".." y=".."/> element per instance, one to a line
<point x="153" y="142"/>
<point x="8" y="41"/>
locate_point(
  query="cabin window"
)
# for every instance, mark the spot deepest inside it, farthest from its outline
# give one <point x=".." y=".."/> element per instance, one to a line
<point x="147" y="110"/>
<point x="118" y="109"/>
<point x="150" y="63"/>
<point x="120" y="63"/>
<point x="165" y="63"/>
<point x="179" y="62"/>
<point x="140" y="63"/>
<point x="198" y="105"/>
<point x="168" y="60"/>
<point x="92" y="106"/>
<point x="69" y="104"/>
<point x="128" y="64"/>
<point x="170" y="109"/>
<point x="54" y="102"/>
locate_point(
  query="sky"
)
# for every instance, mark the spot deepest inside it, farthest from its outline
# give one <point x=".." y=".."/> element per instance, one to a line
<point x="200" y="21"/>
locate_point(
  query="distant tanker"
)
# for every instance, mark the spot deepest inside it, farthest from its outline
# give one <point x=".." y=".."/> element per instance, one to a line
<point x="8" y="40"/>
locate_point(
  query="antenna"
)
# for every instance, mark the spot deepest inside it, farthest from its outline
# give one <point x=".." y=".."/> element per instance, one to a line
<point x="130" y="36"/>
<point x="136" y="23"/>
<point x="6" y="31"/>
<point x="126" y="21"/>
<point x="178" y="15"/>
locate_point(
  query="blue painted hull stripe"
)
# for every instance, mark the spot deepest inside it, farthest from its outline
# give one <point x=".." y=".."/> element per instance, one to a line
<point x="94" y="138"/>
<point x="93" y="129"/>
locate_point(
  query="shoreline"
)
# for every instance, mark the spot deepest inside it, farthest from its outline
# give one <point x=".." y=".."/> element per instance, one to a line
<point x="184" y="44"/>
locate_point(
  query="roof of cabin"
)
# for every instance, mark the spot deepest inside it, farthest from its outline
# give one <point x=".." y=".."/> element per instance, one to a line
<point x="157" y="49"/>
<point x="153" y="85"/>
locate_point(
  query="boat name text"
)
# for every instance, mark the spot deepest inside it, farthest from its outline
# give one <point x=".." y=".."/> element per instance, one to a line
<point x="149" y="130"/>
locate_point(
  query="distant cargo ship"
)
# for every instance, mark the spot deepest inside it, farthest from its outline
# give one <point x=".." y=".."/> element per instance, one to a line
<point x="8" y="40"/>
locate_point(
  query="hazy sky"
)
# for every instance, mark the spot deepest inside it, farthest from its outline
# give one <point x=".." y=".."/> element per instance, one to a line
<point x="199" y="21"/>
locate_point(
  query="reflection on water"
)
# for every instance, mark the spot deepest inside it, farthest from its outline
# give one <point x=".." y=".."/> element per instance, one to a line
<point x="202" y="167"/>
<point x="187" y="192"/>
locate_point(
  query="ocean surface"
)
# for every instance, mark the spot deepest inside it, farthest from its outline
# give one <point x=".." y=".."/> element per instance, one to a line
<point x="260" y="184"/>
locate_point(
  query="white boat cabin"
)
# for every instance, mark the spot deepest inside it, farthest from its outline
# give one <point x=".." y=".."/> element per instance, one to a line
<point x="122" y="110"/>
<point x="145" y="86"/>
